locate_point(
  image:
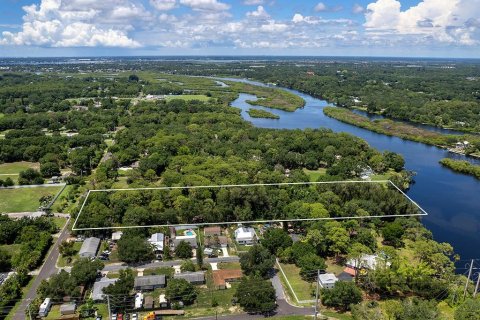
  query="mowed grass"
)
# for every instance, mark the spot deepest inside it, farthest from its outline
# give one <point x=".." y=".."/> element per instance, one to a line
<point x="313" y="175"/>
<point x="14" y="168"/>
<point x="302" y="288"/>
<point x="188" y="97"/>
<point x="24" y="199"/>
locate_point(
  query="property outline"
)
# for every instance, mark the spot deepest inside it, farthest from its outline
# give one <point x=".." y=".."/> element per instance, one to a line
<point x="422" y="211"/>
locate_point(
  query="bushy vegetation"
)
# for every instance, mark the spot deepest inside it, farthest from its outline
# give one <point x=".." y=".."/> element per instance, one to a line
<point x="257" y="113"/>
<point x="462" y="166"/>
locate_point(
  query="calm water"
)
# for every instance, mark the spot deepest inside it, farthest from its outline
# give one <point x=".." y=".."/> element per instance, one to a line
<point x="452" y="200"/>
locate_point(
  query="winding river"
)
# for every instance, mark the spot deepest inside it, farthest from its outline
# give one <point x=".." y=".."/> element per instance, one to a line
<point x="451" y="199"/>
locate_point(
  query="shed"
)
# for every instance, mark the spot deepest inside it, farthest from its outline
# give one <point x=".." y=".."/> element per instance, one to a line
<point x="117" y="235"/>
<point x="148" y="283"/>
<point x="191" y="277"/>
<point x="148" y="302"/>
<point x="68" y="308"/>
<point x="89" y="248"/>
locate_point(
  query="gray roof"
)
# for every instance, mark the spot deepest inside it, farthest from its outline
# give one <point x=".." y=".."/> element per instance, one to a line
<point x="97" y="292"/>
<point x="149" y="281"/>
<point x="89" y="246"/>
<point x="68" y="308"/>
<point x="191" y="276"/>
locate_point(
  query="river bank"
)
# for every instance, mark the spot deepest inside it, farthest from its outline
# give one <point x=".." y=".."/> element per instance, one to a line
<point x="404" y="131"/>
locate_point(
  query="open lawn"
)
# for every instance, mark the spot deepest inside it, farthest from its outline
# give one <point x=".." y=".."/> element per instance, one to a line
<point x="12" y="249"/>
<point x="14" y="168"/>
<point x="64" y="261"/>
<point x="303" y="289"/>
<point x="333" y="267"/>
<point x="229" y="265"/>
<point x="188" y="97"/>
<point x="24" y="199"/>
<point x="313" y="175"/>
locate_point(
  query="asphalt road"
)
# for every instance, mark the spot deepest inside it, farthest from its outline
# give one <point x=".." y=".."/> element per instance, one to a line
<point x="47" y="270"/>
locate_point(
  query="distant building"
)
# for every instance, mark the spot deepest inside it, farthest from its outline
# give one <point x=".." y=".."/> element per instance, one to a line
<point x="367" y="261"/>
<point x="89" y="248"/>
<point x="68" y="308"/>
<point x="245" y="236"/>
<point x="191" y="277"/>
<point x="327" y="280"/>
<point x="223" y="276"/>
<point x="157" y="241"/>
<point x="45" y="307"/>
<point x="149" y="283"/>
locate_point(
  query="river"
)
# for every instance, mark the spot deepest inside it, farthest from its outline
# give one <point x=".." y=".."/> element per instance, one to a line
<point x="451" y="199"/>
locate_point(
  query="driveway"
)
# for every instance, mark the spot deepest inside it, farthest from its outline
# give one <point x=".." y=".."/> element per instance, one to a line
<point x="47" y="270"/>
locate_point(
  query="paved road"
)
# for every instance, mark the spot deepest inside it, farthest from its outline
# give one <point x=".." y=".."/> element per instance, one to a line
<point x="171" y="263"/>
<point x="47" y="270"/>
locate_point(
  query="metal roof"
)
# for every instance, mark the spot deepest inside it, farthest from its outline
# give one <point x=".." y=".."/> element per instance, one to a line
<point x="191" y="276"/>
<point x="89" y="246"/>
<point x="154" y="280"/>
<point x="97" y="292"/>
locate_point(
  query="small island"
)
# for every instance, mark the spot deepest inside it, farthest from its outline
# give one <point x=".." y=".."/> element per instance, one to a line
<point x="461" y="166"/>
<point x="256" y="113"/>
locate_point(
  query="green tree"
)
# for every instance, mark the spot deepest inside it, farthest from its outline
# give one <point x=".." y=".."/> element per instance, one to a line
<point x="183" y="250"/>
<point x="187" y="266"/>
<point x="84" y="271"/>
<point x="134" y="248"/>
<point x="49" y="169"/>
<point x="418" y="309"/>
<point x="468" y="310"/>
<point x="5" y="264"/>
<point x="67" y="249"/>
<point x="257" y="261"/>
<point x="256" y="295"/>
<point x="356" y="252"/>
<point x="30" y="176"/>
<point x="309" y="266"/>
<point x="276" y="238"/>
<point x="180" y="290"/>
<point x="199" y="256"/>
<point x="392" y="233"/>
<point x="342" y="295"/>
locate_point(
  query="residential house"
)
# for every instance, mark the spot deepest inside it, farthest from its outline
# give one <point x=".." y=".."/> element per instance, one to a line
<point x="188" y="236"/>
<point x="117" y="235"/>
<point x="191" y="277"/>
<point x="68" y="308"/>
<point x="89" y="248"/>
<point x="367" y="261"/>
<point x="327" y="280"/>
<point x="216" y="241"/>
<point x="245" y="236"/>
<point x="212" y="231"/>
<point x="149" y="283"/>
<point x="157" y="240"/>
<point x="223" y="276"/>
<point x="97" y="292"/>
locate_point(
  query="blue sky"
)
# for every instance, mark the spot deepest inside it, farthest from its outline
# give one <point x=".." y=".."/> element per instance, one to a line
<point x="432" y="28"/>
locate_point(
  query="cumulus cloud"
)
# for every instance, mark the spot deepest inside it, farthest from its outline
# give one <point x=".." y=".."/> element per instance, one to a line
<point x="213" y="5"/>
<point x="163" y="5"/>
<point x="356" y="9"/>
<point x="320" y="7"/>
<point x="61" y="23"/>
<point x="260" y="13"/>
<point x="446" y="21"/>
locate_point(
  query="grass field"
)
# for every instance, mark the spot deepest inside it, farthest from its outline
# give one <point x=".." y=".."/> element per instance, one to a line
<point x="313" y="175"/>
<point x="188" y="97"/>
<point x="63" y="261"/>
<point x="24" y="199"/>
<point x="14" y="168"/>
<point x="302" y="288"/>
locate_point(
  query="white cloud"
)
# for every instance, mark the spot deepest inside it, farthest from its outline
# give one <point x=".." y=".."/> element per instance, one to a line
<point x="163" y="5"/>
<point x="273" y="26"/>
<point x="62" y="23"/>
<point x="252" y="2"/>
<point x="321" y="7"/>
<point x="439" y="20"/>
<point x="356" y="9"/>
<point x="213" y="5"/>
<point x="260" y="13"/>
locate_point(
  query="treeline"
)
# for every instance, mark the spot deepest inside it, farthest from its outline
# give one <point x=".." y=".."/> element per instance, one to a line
<point x="462" y="166"/>
<point x="33" y="236"/>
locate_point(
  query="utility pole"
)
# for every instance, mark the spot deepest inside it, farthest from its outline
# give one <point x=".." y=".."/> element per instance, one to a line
<point x="476" y="286"/>
<point x="468" y="279"/>
<point x="108" y="304"/>
<point x="316" y="294"/>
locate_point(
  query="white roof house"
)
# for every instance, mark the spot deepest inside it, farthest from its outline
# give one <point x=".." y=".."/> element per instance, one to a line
<point x="245" y="235"/>
<point x="189" y="236"/>
<point x="157" y="241"/>
<point x="327" y="280"/>
<point x="138" y="300"/>
<point x="117" y="235"/>
<point x="367" y="261"/>
<point x="89" y="248"/>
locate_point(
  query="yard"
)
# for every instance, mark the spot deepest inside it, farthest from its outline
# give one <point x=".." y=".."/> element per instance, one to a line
<point x="313" y="175"/>
<point x="302" y="288"/>
<point x="64" y="261"/>
<point x="14" y="168"/>
<point x="188" y="97"/>
<point x="25" y="199"/>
